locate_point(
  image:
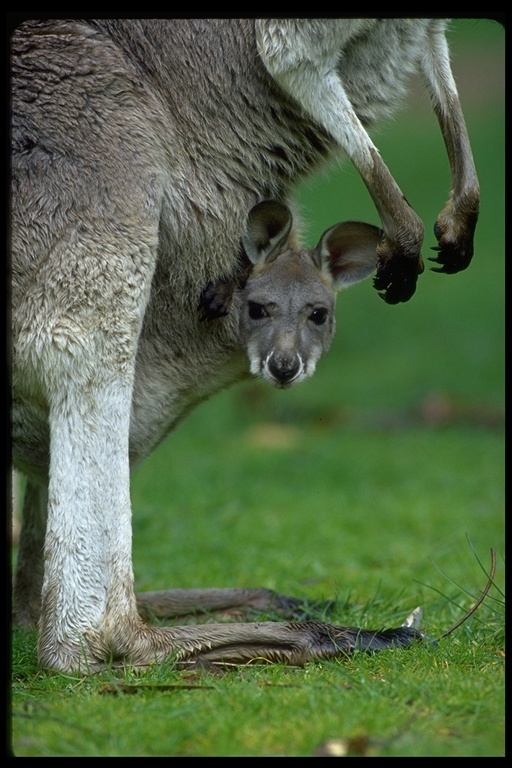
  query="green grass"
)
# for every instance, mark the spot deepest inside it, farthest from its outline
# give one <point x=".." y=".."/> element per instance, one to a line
<point x="380" y="483"/>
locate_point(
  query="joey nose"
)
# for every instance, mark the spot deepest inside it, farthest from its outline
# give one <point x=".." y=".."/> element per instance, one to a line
<point x="284" y="368"/>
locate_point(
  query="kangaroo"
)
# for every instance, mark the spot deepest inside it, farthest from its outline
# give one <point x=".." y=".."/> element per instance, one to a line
<point x="286" y="298"/>
<point x="139" y="147"/>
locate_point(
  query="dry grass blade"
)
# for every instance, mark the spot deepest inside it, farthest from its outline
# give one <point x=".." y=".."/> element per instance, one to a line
<point x="479" y="601"/>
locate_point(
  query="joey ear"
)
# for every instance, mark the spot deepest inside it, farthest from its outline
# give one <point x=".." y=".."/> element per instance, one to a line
<point x="268" y="226"/>
<point x="348" y="252"/>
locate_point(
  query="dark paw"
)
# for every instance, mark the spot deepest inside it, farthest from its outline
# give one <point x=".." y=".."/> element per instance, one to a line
<point x="396" y="278"/>
<point x="453" y="257"/>
<point x="215" y="301"/>
<point x="216" y="298"/>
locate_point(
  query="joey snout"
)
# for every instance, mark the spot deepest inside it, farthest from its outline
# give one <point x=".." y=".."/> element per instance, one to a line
<point x="284" y="367"/>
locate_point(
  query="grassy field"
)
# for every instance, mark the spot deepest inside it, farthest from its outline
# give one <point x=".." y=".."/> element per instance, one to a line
<point x="380" y="483"/>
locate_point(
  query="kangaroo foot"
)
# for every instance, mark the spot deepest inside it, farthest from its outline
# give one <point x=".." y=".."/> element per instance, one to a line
<point x="229" y="603"/>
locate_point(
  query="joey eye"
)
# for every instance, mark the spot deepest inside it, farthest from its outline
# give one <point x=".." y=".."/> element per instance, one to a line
<point x="257" y="311"/>
<point x="319" y="316"/>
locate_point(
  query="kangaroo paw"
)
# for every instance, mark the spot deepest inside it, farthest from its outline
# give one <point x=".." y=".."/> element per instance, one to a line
<point x="455" y="244"/>
<point x="396" y="278"/>
<point x="215" y="300"/>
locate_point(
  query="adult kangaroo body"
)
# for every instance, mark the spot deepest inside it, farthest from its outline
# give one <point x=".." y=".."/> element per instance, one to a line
<point x="139" y="147"/>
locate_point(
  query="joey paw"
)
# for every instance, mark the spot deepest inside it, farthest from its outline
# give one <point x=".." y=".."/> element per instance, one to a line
<point x="453" y="255"/>
<point x="215" y="301"/>
<point x="396" y="278"/>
